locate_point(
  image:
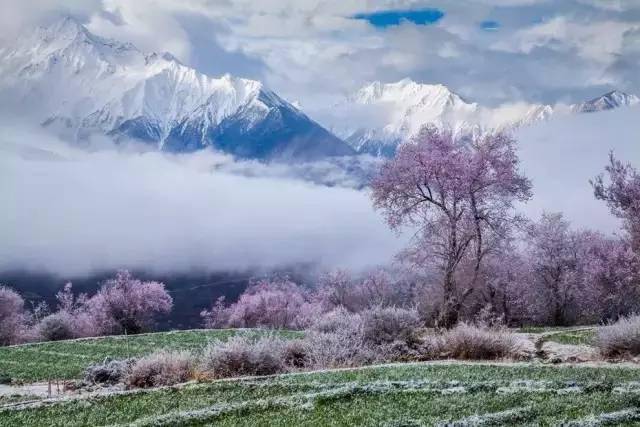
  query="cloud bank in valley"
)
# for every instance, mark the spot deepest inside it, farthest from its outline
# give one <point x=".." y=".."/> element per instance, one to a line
<point x="562" y="155"/>
<point x="73" y="212"/>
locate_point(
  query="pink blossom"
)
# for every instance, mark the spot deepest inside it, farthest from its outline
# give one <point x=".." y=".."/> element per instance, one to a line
<point x="458" y="196"/>
<point x="126" y="304"/>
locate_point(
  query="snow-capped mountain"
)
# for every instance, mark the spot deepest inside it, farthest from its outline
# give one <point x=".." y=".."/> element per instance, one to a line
<point x="378" y="117"/>
<point x="79" y="84"/>
<point x="608" y="101"/>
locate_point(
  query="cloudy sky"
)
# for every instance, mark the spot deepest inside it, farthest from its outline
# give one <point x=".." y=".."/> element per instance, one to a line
<point x="310" y="51"/>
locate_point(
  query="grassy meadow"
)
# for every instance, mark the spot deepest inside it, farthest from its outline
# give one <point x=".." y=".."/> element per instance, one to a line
<point x="68" y="359"/>
<point x="392" y="395"/>
<point x="445" y="393"/>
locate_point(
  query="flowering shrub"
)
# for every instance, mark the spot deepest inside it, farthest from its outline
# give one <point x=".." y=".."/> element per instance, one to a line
<point x="57" y="326"/>
<point x="13" y="317"/>
<point x="277" y="303"/>
<point x="161" y="368"/>
<point x="126" y="304"/>
<point x="338" y="289"/>
<point x="217" y="317"/>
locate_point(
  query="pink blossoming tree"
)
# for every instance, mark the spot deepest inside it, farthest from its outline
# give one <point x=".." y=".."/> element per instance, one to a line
<point x="125" y="304"/>
<point x="13" y="316"/>
<point x="620" y="189"/>
<point x="275" y="303"/>
<point x="459" y="196"/>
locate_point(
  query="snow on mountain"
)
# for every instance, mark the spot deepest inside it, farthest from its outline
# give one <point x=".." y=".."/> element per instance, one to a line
<point x="608" y="101"/>
<point x="79" y="84"/>
<point x="378" y="117"/>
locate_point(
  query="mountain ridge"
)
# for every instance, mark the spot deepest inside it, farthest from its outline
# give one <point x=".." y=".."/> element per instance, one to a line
<point x="382" y="116"/>
<point x="79" y="84"/>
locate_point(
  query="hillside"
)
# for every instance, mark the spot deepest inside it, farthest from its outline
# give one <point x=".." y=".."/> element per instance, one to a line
<point x="410" y="395"/>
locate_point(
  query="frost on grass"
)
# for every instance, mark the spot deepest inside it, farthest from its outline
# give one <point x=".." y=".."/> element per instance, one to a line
<point x="508" y="417"/>
<point x="632" y="387"/>
<point x="298" y="401"/>
<point x="607" y="419"/>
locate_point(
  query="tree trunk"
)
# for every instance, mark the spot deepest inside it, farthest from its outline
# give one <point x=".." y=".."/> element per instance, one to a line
<point x="558" y="315"/>
<point x="448" y="316"/>
<point x="449" y="312"/>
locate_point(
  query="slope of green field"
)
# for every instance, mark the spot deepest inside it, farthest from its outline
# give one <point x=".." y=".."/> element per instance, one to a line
<point x="394" y="395"/>
<point x="577" y="337"/>
<point x="68" y="359"/>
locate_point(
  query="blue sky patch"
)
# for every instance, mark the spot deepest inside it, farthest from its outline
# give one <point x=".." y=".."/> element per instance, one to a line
<point x="490" y="25"/>
<point x="388" y="18"/>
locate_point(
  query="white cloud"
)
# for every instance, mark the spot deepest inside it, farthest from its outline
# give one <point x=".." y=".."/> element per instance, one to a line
<point x="311" y="50"/>
<point x="72" y="212"/>
<point x="560" y="156"/>
<point x="19" y="16"/>
<point x="600" y="42"/>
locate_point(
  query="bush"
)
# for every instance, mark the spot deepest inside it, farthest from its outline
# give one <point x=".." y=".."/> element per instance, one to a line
<point x="277" y="303"/>
<point x="472" y="342"/>
<point x="108" y="372"/>
<point x="57" y="326"/>
<point x="242" y="356"/>
<point x="619" y="339"/>
<point x="296" y="353"/>
<point x="161" y="368"/>
<point x="382" y="325"/>
<point x="336" y="339"/>
<point x="338" y="320"/>
<point x="13" y="317"/>
<point x="339" y="349"/>
<point x="378" y="288"/>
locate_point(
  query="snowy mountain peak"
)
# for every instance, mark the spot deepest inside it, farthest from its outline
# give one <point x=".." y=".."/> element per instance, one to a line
<point x="67" y="32"/>
<point x="379" y="116"/>
<point x="405" y="91"/>
<point x="64" y="28"/>
<point x="608" y="101"/>
<point x="79" y="84"/>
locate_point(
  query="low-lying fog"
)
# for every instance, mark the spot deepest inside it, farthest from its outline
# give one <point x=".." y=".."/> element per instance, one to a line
<point x="70" y="211"/>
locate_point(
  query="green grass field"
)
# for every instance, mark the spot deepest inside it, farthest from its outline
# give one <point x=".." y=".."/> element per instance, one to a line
<point x="68" y="359"/>
<point x="580" y="337"/>
<point x="409" y="395"/>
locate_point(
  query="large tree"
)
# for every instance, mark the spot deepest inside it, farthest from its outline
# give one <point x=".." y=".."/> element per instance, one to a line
<point x="459" y="195"/>
<point x="554" y="255"/>
<point x="126" y="304"/>
<point x="620" y="189"/>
